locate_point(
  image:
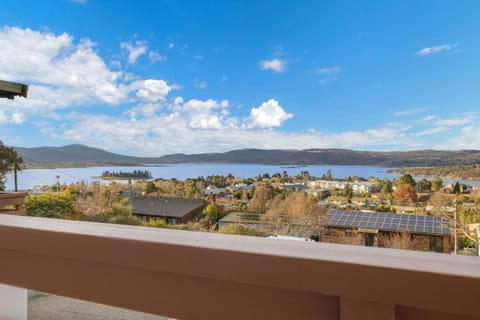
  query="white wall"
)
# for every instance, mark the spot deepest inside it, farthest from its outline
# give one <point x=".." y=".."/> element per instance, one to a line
<point x="13" y="303"/>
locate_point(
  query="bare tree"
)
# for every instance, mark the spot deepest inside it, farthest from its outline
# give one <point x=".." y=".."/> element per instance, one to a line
<point x="399" y="240"/>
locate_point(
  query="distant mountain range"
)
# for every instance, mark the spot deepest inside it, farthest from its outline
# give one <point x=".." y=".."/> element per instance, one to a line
<point x="80" y="155"/>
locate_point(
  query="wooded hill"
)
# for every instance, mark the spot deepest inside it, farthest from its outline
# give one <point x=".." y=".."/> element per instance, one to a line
<point x="78" y="155"/>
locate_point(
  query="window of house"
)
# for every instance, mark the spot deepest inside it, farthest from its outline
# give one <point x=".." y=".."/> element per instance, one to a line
<point x="326" y="231"/>
<point x="348" y="233"/>
<point x="436" y="243"/>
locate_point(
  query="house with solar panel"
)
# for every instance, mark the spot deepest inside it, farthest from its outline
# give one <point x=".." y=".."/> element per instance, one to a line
<point x="427" y="233"/>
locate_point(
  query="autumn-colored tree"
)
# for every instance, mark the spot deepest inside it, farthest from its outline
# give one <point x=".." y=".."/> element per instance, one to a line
<point x="149" y="187"/>
<point x="262" y="196"/>
<point x="293" y="214"/>
<point x="437" y="184"/>
<point x="405" y="193"/>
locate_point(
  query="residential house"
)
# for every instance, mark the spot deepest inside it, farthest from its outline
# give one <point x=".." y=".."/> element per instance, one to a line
<point x="427" y="233"/>
<point x="358" y="187"/>
<point x="171" y="210"/>
<point x="212" y="190"/>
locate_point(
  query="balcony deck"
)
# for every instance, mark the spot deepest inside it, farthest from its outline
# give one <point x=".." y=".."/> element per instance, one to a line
<point x="190" y="275"/>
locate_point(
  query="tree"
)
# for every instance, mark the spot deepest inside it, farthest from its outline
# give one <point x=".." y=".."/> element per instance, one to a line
<point x="50" y="205"/>
<point x="437" y="184"/>
<point x="348" y="192"/>
<point x="424" y="185"/>
<point x="328" y="176"/>
<point x="404" y="179"/>
<point x="213" y="212"/>
<point x="9" y="161"/>
<point x="149" y="187"/>
<point x="263" y="194"/>
<point x="294" y="214"/>
<point x="456" y="188"/>
<point x="387" y="187"/>
<point x="405" y="193"/>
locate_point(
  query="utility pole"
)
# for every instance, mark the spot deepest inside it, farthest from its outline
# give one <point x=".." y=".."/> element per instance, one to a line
<point x="455" y="227"/>
<point x="58" y="183"/>
<point x="15" y="164"/>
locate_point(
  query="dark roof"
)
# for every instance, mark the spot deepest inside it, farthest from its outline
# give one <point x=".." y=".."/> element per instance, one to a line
<point x="241" y="217"/>
<point x="164" y="207"/>
<point x="388" y="222"/>
<point x="11" y="89"/>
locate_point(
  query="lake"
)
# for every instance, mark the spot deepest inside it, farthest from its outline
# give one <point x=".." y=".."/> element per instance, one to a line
<point x="27" y="179"/>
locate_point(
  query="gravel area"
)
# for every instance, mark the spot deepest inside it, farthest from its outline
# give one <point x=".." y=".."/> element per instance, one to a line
<point x="51" y="307"/>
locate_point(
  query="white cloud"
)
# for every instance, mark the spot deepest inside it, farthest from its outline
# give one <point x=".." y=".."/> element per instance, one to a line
<point x="154" y="56"/>
<point x="329" y="70"/>
<point x="435" y="49"/>
<point x="408" y="112"/>
<point x="201" y="127"/>
<point x="456" y="120"/>
<point x="135" y="49"/>
<point x="431" y="131"/>
<point x="170" y="45"/>
<point x="151" y="90"/>
<point x="199" y="84"/>
<point x="62" y="73"/>
<point x="326" y="81"/>
<point x="270" y="114"/>
<point x="276" y="65"/>
<point x="468" y="138"/>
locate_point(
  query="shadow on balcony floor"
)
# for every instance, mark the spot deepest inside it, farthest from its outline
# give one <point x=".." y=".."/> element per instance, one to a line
<point x="51" y="307"/>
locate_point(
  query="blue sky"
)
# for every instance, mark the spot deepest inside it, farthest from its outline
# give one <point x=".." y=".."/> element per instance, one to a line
<point x="157" y="77"/>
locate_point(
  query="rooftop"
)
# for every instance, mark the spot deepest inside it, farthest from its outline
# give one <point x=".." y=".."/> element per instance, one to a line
<point x="164" y="207"/>
<point x="388" y="221"/>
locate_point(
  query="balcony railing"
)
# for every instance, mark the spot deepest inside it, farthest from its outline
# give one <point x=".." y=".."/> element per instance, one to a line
<point x="190" y="275"/>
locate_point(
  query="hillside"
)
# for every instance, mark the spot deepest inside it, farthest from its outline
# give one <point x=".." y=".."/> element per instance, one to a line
<point x="78" y="155"/>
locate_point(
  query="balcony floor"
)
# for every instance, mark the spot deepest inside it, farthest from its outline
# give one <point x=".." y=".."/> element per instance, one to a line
<point x="52" y="307"/>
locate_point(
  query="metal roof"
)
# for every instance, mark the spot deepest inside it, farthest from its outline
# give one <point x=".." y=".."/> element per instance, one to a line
<point x="164" y="207"/>
<point x="388" y="222"/>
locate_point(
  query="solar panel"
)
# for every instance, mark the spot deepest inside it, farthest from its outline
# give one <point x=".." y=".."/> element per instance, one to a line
<point x="388" y="221"/>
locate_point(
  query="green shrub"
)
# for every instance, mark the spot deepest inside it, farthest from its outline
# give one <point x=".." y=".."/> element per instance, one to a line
<point x="50" y="205"/>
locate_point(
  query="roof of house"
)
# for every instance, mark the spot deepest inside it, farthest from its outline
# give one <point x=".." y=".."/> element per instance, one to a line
<point x="164" y="207"/>
<point x="388" y="222"/>
<point x="241" y="217"/>
<point x="11" y="89"/>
